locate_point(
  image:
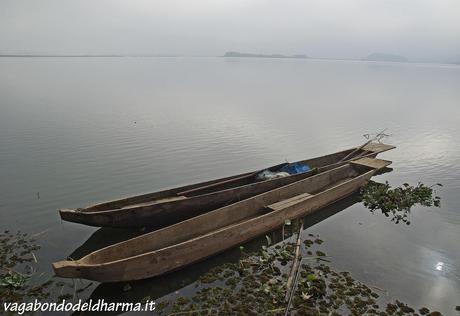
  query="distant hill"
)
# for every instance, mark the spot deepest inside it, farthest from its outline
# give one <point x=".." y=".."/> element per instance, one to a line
<point x="238" y="54"/>
<point x="386" y="57"/>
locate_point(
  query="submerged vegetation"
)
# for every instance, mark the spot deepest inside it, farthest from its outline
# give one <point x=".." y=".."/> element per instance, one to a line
<point x="398" y="201"/>
<point x="19" y="279"/>
<point x="257" y="285"/>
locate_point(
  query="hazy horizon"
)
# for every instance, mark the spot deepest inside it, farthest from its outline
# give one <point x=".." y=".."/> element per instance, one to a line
<point x="419" y="30"/>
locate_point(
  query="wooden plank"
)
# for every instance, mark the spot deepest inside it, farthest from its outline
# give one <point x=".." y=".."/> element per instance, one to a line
<point x="378" y="147"/>
<point x="289" y="202"/>
<point x="163" y="200"/>
<point x="372" y="162"/>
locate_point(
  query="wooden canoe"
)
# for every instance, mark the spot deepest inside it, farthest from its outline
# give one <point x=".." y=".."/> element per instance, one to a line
<point x="192" y="240"/>
<point x="163" y="208"/>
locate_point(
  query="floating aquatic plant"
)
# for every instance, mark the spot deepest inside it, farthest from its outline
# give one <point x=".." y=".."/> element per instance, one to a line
<point x="257" y="286"/>
<point x="398" y="201"/>
<point x="13" y="280"/>
<point x="19" y="280"/>
<point x="17" y="261"/>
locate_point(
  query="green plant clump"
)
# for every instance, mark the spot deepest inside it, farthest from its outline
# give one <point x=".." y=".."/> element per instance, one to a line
<point x="398" y="201"/>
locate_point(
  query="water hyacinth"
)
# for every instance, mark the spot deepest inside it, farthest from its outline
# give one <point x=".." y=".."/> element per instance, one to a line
<point x="257" y="286"/>
<point x="19" y="280"/>
<point x="17" y="260"/>
<point x="398" y="201"/>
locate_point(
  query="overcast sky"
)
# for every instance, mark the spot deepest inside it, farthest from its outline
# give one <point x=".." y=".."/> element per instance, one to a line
<point x="417" y="29"/>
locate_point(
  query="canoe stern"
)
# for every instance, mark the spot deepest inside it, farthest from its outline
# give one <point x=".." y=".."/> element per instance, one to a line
<point x="67" y="269"/>
<point x="82" y="217"/>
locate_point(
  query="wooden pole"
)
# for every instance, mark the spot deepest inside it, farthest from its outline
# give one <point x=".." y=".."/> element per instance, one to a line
<point x="292" y="279"/>
<point x="295" y="264"/>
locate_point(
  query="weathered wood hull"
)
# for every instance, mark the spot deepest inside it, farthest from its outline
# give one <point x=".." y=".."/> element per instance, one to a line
<point x="168" y="207"/>
<point x="171" y="248"/>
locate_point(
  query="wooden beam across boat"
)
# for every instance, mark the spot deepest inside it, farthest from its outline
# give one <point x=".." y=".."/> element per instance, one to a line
<point x="167" y="207"/>
<point x="192" y="240"/>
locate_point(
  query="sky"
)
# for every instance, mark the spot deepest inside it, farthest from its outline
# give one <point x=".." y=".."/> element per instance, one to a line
<point x="416" y="29"/>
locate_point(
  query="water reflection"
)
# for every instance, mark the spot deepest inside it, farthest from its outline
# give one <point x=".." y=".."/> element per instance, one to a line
<point x="439" y="266"/>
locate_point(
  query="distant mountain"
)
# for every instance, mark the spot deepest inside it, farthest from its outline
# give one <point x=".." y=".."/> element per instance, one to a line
<point x="238" y="54"/>
<point x="386" y="57"/>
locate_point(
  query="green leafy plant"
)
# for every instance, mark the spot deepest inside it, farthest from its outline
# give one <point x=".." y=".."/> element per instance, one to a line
<point x="257" y="285"/>
<point x="398" y="201"/>
<point x="14" y="280"/>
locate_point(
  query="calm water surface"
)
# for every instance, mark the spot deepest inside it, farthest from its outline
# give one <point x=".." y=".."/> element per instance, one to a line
<point x="81" y="130"/>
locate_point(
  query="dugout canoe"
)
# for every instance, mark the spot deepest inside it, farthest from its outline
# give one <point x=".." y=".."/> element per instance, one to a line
<point x="192" y="240"/>
<point x="167" y="207"/>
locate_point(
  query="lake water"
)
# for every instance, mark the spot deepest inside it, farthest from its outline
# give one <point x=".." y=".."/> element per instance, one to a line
<point x="74" y="131"/>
